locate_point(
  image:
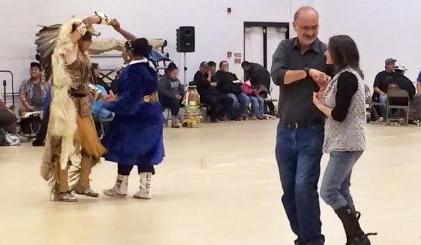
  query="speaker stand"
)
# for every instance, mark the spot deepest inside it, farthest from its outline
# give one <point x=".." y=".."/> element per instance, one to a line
<point x="185" y="68"/>
<point x="4" y="91"/>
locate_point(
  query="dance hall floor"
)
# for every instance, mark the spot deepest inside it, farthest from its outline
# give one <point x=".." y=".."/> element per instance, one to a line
<point x="218" y="186"/>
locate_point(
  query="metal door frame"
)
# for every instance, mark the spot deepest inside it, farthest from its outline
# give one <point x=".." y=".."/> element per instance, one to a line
<point x="264" y="25"/>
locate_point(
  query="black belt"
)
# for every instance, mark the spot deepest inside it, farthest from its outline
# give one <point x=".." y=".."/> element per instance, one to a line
<point x="77" y="94"/>
<point x="301" y="124"/>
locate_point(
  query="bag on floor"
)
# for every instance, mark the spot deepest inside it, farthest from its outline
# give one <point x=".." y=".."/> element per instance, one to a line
<point x="12" y="139"/>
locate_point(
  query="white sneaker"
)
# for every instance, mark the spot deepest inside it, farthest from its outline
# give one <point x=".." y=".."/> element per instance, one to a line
<point x="144" y="186"/>
<point x="120" y="187"/>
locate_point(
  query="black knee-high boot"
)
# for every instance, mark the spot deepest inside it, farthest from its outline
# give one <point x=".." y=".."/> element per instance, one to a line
<point x="354" y="233"/>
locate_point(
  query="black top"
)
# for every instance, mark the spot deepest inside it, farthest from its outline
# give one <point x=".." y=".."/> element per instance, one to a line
<point x="382" y="81"/>
<point x="203" y="85"/>
<point x="295" y="102"/>
<point x="225" y="82"/>
<point x="404" y="83"/>
<point x="346" y="88"/>
<point x="258" y="75"/>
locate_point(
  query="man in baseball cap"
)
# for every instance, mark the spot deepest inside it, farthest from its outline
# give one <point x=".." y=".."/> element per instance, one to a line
<point x="381" y="83"/>
<point x="390" y="61"/>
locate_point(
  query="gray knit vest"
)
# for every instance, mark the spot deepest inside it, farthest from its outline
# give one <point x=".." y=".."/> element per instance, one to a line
<point x="348" y="135"/>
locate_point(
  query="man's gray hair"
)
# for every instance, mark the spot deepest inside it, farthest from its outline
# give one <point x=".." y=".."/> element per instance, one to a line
<point x="303" y="9"/>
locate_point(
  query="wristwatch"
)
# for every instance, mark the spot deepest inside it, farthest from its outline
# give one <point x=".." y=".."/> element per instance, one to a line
<point x="307" y="70"/>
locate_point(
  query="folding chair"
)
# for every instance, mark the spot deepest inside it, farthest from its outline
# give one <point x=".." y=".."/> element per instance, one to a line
<point x="397" y="99"/>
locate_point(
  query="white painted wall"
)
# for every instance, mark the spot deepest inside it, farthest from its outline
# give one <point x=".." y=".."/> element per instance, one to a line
<point x="216" y="31"/>
<point x="381" y="28"/>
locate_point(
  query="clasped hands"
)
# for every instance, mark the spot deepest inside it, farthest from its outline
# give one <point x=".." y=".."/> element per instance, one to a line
<point x="321" y="79"/>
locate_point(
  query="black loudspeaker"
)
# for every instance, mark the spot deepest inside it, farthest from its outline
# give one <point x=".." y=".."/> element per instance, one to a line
<point x="185" y="39"/>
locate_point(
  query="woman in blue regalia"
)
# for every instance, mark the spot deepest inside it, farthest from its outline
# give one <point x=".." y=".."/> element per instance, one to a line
<point x="135" y="135"/>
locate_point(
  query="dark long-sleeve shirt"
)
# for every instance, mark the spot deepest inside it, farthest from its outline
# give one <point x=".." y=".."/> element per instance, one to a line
<point x="404" y="83"/>
<point x="295" y="100"/>
<point x="203" y="85"/>
<point x="225" y="82"/>
<point x="258" y="75"/>
<point x="382" y="81"/>
<point x="346" y="88"/>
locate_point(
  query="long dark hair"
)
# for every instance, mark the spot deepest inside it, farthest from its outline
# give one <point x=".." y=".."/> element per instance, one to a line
<point x="344" y="53"/>
<point x="139" y="47"/>
<point x="94" y="66"/>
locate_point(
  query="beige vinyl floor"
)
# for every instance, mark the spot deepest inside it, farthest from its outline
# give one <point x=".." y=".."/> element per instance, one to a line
<point x="218" y="186"/>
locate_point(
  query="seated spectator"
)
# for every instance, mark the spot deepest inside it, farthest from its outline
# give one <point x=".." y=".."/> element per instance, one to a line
<point x="229" y="84"/>
<point x="102" y="90"/>
<point x="218" y="104"/>
<point x="381" y="84"/>
<point x="98" y="110"/>
<point x="32" y="91"/>
<point x="171" y="93"/>
<point x="257" y="102"/>
<point x="212" y="68"/>
<point x="8" y="119"/>
<point x="259" y="77"/>
<point x="402" y="81"/>
<point x="96" y="76"/>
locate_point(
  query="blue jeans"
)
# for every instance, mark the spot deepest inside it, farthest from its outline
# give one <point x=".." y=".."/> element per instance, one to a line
<point x="258" y="105"/>
<point x="298" y="153"/>
<point x="240" y="105"/>
<point x="383" y="101"/>
<point x="337" y="179"/>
